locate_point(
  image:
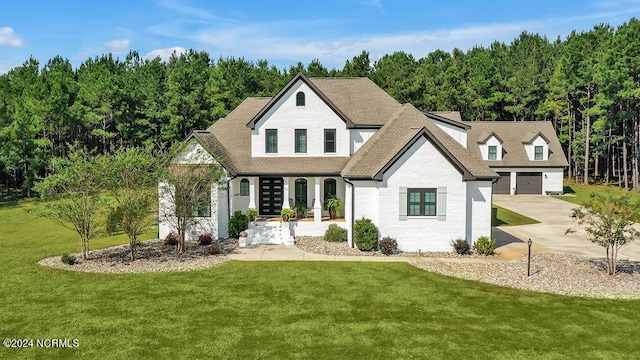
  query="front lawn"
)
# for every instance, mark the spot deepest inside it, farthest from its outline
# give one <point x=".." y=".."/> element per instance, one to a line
<point x="579" y="193"/>
<point x="505" y="217"/>
<point x="310" y="310"/>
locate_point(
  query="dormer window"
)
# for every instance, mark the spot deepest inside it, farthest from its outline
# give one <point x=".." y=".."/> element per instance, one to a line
<point x="539" y="153"/>
<point x="493" y="152"/>
<point x="300" y="98"/>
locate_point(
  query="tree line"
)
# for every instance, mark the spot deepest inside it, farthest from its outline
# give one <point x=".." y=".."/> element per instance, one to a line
<point x="586" y="84"/>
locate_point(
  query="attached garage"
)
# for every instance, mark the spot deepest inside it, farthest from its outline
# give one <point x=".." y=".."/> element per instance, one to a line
<point x="529" y="183"/>
<point x="503" y="184"/>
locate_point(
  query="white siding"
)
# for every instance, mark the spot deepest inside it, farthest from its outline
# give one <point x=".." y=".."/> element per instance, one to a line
<point x="194" y="153"/>
<point x="530" y="148"/>
<point x="478" y="210"/>
<point x="199" y="225"/>
<point x="552" y="178"/>
<point x="358" y="137"/>
<point x="484" y="148"/>
<point x="422" y="166"/>
<point x="285" y="116"/>
<point x="458" y="134"/>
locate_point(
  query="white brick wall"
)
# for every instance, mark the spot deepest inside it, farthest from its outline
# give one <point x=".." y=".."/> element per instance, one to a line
<point x="455" y="132"/>
<point x="422" y="166"/>
<point x="315" y="116"/>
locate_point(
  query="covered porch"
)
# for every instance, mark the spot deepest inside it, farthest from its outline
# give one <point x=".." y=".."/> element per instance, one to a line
<point x="304" y="195"/>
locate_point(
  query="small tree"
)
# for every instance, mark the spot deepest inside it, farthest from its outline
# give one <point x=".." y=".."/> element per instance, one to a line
<point x="609" y="218"/>
<point x="74" y="195"/>
<point x="185" y="189"/>
<point x="130" y="176"/>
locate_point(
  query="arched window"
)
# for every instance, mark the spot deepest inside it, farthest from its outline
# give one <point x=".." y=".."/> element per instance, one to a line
<point x="300" y="98"/>
<point x="329" y="188"/>
<point x="244" y="187"/>
<point x="301" y="191"/>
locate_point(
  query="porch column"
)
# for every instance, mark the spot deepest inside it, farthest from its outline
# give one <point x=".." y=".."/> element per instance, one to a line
<point x="348" y="194"/>
<point x="231" y="197"/>
<point x="252" y="193"/>
<point x="317" y="209"/>
<point x="285" y="192"/>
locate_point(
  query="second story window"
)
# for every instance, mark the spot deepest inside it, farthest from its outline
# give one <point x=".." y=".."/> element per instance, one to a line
<point x="301" y="140"/>
<point x="538" y="154"/>
<point x="271" y="143"/>
<point x="493" y="152"/>
<point x="300" y="99"/>
<point x="329" y="140"/>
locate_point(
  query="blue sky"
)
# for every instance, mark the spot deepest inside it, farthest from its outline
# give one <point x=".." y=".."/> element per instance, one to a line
<point x="284" y="32"/>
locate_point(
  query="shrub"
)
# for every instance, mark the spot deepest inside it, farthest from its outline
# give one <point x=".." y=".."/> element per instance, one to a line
<point x="335" y="234"/>
<point x="205" y="239"/>
<point x="214" y="249"/>
<point x="388" y="245"/>
<point x="237" y="223"/>
<point x="365" y="234"/>
<point x="172" y="238"/>
<point x="484" y="245"/>
<point x="252" y="214"/>
<point x="461" y="246"/>
<point x="68" y="259"/>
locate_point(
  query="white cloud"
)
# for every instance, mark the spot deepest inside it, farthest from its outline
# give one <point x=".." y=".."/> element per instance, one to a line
<point x="274" y="40"/>
<point x="5" y="68"/>
<point x="9" y="38"/>
<point x="164" y="54"/>
<point x="118" y="46"/>
<point x="374" y="3"/>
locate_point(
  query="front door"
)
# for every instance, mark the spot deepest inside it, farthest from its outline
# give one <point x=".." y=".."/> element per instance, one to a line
<point x="270" y="196"/>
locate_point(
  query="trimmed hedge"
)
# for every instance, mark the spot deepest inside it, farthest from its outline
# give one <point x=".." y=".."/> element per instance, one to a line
<point x="365" y="234"/>
<point x="335" y="234"/>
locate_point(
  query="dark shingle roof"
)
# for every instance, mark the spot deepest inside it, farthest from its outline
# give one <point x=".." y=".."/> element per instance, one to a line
<point x="361" y="103"/>
<point x="514" y="135"/>
<point x="405" y="126"/>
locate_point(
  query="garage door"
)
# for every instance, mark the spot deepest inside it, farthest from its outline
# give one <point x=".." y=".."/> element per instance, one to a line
<point x="503" y="184"/>
<point x="529" y="183"/>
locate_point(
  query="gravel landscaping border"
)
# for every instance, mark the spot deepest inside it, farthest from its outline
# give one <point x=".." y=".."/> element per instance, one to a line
<point x="561" y="274"/>
<point x="317" y="245"/>
<point x="152" y="256"/>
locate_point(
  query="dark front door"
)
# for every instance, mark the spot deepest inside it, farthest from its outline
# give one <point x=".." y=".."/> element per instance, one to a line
<point x="270" y="196"/>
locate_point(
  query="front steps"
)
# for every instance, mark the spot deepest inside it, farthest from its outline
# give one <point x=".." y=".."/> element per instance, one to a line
<point x="267" y="233"/>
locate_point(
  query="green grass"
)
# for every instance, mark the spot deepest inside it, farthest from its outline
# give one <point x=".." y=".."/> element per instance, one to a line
<point x="579" y="193"/>
<point x="505" y="217"/>
<point x="308" y="310"/>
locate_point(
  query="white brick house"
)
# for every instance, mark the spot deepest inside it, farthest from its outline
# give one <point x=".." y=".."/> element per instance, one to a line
<point x="409" y="172"/>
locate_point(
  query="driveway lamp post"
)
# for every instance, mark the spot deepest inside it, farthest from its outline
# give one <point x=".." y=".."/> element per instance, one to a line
<point x="529" y="242"/>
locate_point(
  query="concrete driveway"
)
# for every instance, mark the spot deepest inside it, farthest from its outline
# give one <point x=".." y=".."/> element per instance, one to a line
<point x="548" y="236"/>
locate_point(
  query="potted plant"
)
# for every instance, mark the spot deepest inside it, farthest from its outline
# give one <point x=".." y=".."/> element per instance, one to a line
<point x="333" y="205"/>
<point x="253" y="214"/>
<point x="301" y="210"/>
<point x="286" y="214"/>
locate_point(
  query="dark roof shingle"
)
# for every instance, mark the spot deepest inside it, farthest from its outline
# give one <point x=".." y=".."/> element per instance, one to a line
<point x="514" y="135"/>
